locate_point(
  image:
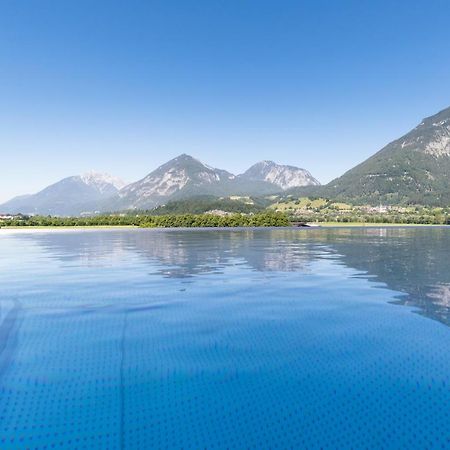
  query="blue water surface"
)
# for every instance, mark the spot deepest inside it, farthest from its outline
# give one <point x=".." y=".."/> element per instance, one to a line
<point x="256" y="338"/>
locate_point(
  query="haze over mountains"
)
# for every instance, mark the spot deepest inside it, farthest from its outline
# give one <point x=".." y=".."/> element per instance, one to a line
<point x="70" y="196"/>
<point x="180" y="178"/>
<point x="414" y="169"/>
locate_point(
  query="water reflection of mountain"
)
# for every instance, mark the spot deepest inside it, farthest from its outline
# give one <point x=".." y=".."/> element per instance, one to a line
<point x="411" y="260"/>
<point x="195" y="252"/>
<point x="183" y="253"/>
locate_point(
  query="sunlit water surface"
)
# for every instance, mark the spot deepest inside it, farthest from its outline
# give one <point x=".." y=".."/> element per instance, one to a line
<point x="139" y="339"/>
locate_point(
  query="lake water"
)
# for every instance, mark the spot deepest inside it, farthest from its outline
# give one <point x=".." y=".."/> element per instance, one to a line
<point x="267" y="338"/>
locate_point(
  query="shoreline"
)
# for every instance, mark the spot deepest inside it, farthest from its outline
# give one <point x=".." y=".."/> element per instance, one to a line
<point x="371" y="225"/>
<point x="68" y="228"/>
<point x="311" y="226"/>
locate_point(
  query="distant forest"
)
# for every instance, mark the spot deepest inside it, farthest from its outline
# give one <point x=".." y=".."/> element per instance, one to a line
<point x="209" y="211"/>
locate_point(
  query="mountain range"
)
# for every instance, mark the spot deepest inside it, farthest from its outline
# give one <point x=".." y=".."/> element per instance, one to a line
<point x="70" y="196"/>
<point x="179" y="178"/>
<point x="414" y="169"/>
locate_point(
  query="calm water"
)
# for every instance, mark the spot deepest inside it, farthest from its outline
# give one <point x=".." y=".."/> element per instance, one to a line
<point x="136" y="339"/>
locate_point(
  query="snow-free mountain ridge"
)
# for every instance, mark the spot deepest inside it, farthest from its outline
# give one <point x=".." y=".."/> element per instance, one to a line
<point x="412" y="169"/>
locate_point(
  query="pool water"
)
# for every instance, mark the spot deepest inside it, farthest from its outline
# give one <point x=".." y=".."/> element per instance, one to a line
<point x="256" y="338"/>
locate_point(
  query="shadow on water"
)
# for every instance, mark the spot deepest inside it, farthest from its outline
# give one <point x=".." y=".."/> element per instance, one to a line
<point x="413" y="261"/>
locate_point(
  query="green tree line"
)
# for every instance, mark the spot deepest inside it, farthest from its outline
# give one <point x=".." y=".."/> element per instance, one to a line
<point x="210" y="220"/>
<point x="266" y="219"/>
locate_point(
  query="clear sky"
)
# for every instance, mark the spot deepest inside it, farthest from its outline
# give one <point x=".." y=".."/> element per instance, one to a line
<point x="123" y="86"/>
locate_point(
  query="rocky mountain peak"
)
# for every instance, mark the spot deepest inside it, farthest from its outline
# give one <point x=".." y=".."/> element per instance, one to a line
<point x="283" y="176"/>
<point x="180" y="178"/>
<point x="412" y="169"/>
<point x="101" y="180"/>
<point x="183" y="173"/>
<point x="431" y="136"/>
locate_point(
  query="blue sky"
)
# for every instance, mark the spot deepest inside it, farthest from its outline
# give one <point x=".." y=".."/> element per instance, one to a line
<point x="122" y="87"/>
